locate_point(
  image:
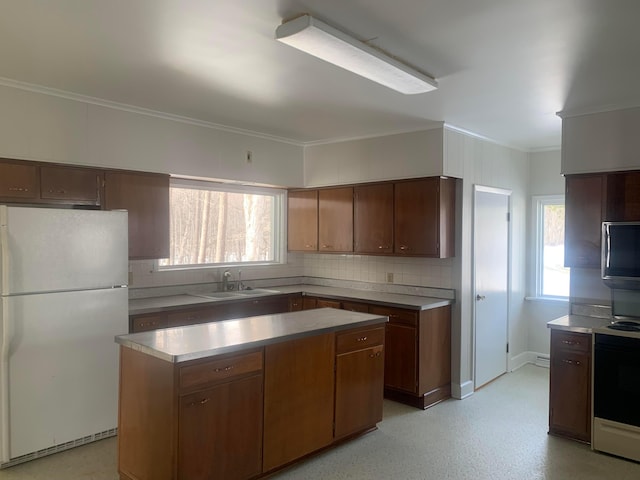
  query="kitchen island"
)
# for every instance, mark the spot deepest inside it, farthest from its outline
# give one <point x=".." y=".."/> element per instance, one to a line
<point x="243" y="398"/>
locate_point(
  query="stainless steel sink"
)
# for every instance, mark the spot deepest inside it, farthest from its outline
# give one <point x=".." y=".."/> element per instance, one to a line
<point x="256" y="291"/>
<point x="216" y="295"/>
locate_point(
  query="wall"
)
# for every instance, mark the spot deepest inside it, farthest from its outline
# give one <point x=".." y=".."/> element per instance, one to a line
<point x="601" y="142"/>
<point x="406" y="155"/>
<point x="544" y="179"/>
<point x="479" y="162"/>
<point x="37" y="126"/>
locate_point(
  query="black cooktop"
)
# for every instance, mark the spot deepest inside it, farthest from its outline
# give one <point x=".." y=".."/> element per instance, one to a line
<point x="625" y="325"/>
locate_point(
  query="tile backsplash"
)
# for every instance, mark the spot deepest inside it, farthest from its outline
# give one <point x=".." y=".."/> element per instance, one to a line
<point x="397" y="273"/>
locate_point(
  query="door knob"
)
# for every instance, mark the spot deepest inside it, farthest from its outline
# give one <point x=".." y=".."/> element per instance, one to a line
<point x="480" y="297"/>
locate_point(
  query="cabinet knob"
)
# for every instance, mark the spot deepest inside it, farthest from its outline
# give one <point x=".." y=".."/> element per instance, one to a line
<point x="18" y="189"/>
<point x="224" y="369"/>
<point x="361" y="339"/>
<point x="404" y="247"/>
<point x="59" y="192"/>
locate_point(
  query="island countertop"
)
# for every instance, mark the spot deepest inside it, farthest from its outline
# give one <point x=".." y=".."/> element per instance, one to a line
<point x="192" y="342"/>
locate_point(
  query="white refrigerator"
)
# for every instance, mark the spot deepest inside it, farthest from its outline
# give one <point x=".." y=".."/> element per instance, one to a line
<point x="64" y="298"/>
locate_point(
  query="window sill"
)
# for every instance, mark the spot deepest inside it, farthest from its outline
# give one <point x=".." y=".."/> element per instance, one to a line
<point x="547" y="299"/>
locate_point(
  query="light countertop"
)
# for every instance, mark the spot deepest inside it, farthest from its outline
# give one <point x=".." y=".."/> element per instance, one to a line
<point x="578" y="323"/>
<point x="412" y="302"/>
<point x="192" y="342"/>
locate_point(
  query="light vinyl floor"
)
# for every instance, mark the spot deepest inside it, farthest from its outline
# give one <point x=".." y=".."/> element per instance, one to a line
<point x="500" y="432"/>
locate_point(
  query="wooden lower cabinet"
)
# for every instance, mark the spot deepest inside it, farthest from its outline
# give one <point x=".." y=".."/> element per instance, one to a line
<point x="418" y="355"/>
<point x="359" y="354"/>
<point x="247" y="414"/>
<point x="220" y="431"/>
<point x="570" y="385"/>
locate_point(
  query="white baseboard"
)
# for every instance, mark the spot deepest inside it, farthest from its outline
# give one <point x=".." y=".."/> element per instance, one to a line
<point x="463" y="390"/>
<point x="539" y="359"/>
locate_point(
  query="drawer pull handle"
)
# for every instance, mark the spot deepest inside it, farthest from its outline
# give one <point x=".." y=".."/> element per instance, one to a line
<point x="18" y="189"/>
<point x="361" y="339"/>
<point x="383" y="247"/>
<point x="200" y="402"/>
<point x="309" y="246"/>
<point x="60" y="192"/>
<point x="404" y="247"/>
<point x="570" y="342"/>
<point x="327" y="246"/>
<point x="224" y="369"/>
<point x="571" y="362"/>
<point x="374" y="355"/>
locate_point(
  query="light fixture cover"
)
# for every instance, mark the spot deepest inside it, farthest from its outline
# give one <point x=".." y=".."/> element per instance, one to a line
<point x="327" y="43"/>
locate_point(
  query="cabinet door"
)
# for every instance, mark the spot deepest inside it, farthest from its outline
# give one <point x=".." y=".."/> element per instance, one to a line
<point x="400" y="360"/>
<point x="325" y="303"/>
<point x="373" y="218"/>
<point x="146" y="197"/>
<point x="295" y="303"/>
<point x="80" y="186"/>
<point x="623" y="197"/>
<point x="191" y="316"/>
<point x="584" y="208"/>
<point x="359" y="390"/>
<point x="309" y="303"/>
<point x="298" y="398"/>
<point x="259" y="306"/>
<point x="18" y="182"/>
<point x="220" y="435"/>
<point x="570" y="390"/>
<point x="417" y="217"/>
<point x="302" y="220"/>
<point x="335" y="220"/>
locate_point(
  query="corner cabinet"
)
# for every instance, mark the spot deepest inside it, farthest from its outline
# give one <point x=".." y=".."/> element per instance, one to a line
<point x="585" y="203"/>
<point x="570" y="385"/>
<point x="424" y="217"/>
<point x="146" y="197"/>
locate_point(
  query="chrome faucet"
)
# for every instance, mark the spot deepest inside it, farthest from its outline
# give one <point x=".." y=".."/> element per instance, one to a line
<point x="240" y="284"/>
<point x="225" y="280"/>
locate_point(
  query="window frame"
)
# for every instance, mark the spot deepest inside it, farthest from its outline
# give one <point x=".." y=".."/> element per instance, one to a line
<point x="279" y="221"/>
<point x="538" y="204"/>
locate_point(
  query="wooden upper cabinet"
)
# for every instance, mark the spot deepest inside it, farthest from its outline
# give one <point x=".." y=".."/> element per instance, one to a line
<point x="623" y="197"/>
<point x="302" y="225"/>
<point x="77" y="185"/>
<point x="373" y="218"/>
<point x="425" y="217"/>
<point x="18" y="181"/>
<point x="146" y="197"/>
<point x="335" y="220"/>
<point x="584" y="211"/>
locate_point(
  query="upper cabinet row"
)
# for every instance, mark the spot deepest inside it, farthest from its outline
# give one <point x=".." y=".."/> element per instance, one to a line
<point x="144" y="195"/>
<point x="408" y="217"/>
<point x="590" y="200"/>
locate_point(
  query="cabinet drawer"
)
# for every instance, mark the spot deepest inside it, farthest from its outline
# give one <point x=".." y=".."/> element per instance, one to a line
<point x="145" y="323"/>
<point x="220" y="369"/>
<point x="396" y="315"/>
<point x="190" y="317"/>
<point x="575" y="342"/>
<point x="359" y="339"/>
<point x="355" y="307"/>
<point x="322" y="303"/>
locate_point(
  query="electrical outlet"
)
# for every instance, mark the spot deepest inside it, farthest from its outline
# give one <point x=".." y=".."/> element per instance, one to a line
<point x="390" y="277"/>
<point x="249" y="156"/>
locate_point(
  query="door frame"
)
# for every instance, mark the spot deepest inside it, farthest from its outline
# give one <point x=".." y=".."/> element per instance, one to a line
<point x="508" y="193"/>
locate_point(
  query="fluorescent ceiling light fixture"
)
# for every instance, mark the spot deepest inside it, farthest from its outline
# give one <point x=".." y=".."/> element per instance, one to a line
<point x="331" y="45"/>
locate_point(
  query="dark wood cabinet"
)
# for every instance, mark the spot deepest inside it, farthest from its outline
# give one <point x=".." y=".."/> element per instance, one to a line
<point x="298" y="398"/>
<point x="335" y="220"/>
<point x="146" y="197"/>
<point x="259" y="306"/>
<point x="424" y="217"/>
<point x="19" y="182"/>
<point x="373" y="218"/>
<point x="359" y="355"/>
<point x="296" y="303"/>
<point x="418" y="355"/>
<point x="623" y="197"/>
<point x="585" y="203"/>
<point x="570" y="385"/>
<point x="144" y="323"/>
<point x="220" y="433"/>
<point x="302" y="220"/>
<point x="77" y="185"/>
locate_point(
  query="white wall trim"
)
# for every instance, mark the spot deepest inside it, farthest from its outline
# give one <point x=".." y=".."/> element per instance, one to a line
<point x="432" y="125"/>
<point x="463" y="390"/>
<point x="54" y="92"/>
<point x="535" y="358"/>
<point x="448" y="126"/>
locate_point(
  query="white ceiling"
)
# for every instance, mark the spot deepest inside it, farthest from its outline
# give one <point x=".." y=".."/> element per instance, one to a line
<point x="504" y="67"/>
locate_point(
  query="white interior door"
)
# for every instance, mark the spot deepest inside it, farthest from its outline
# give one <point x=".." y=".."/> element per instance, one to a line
<point x="491" y="259"/>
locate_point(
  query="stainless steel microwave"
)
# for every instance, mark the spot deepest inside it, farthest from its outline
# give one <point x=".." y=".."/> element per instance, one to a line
<point x="621" y="254"/>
